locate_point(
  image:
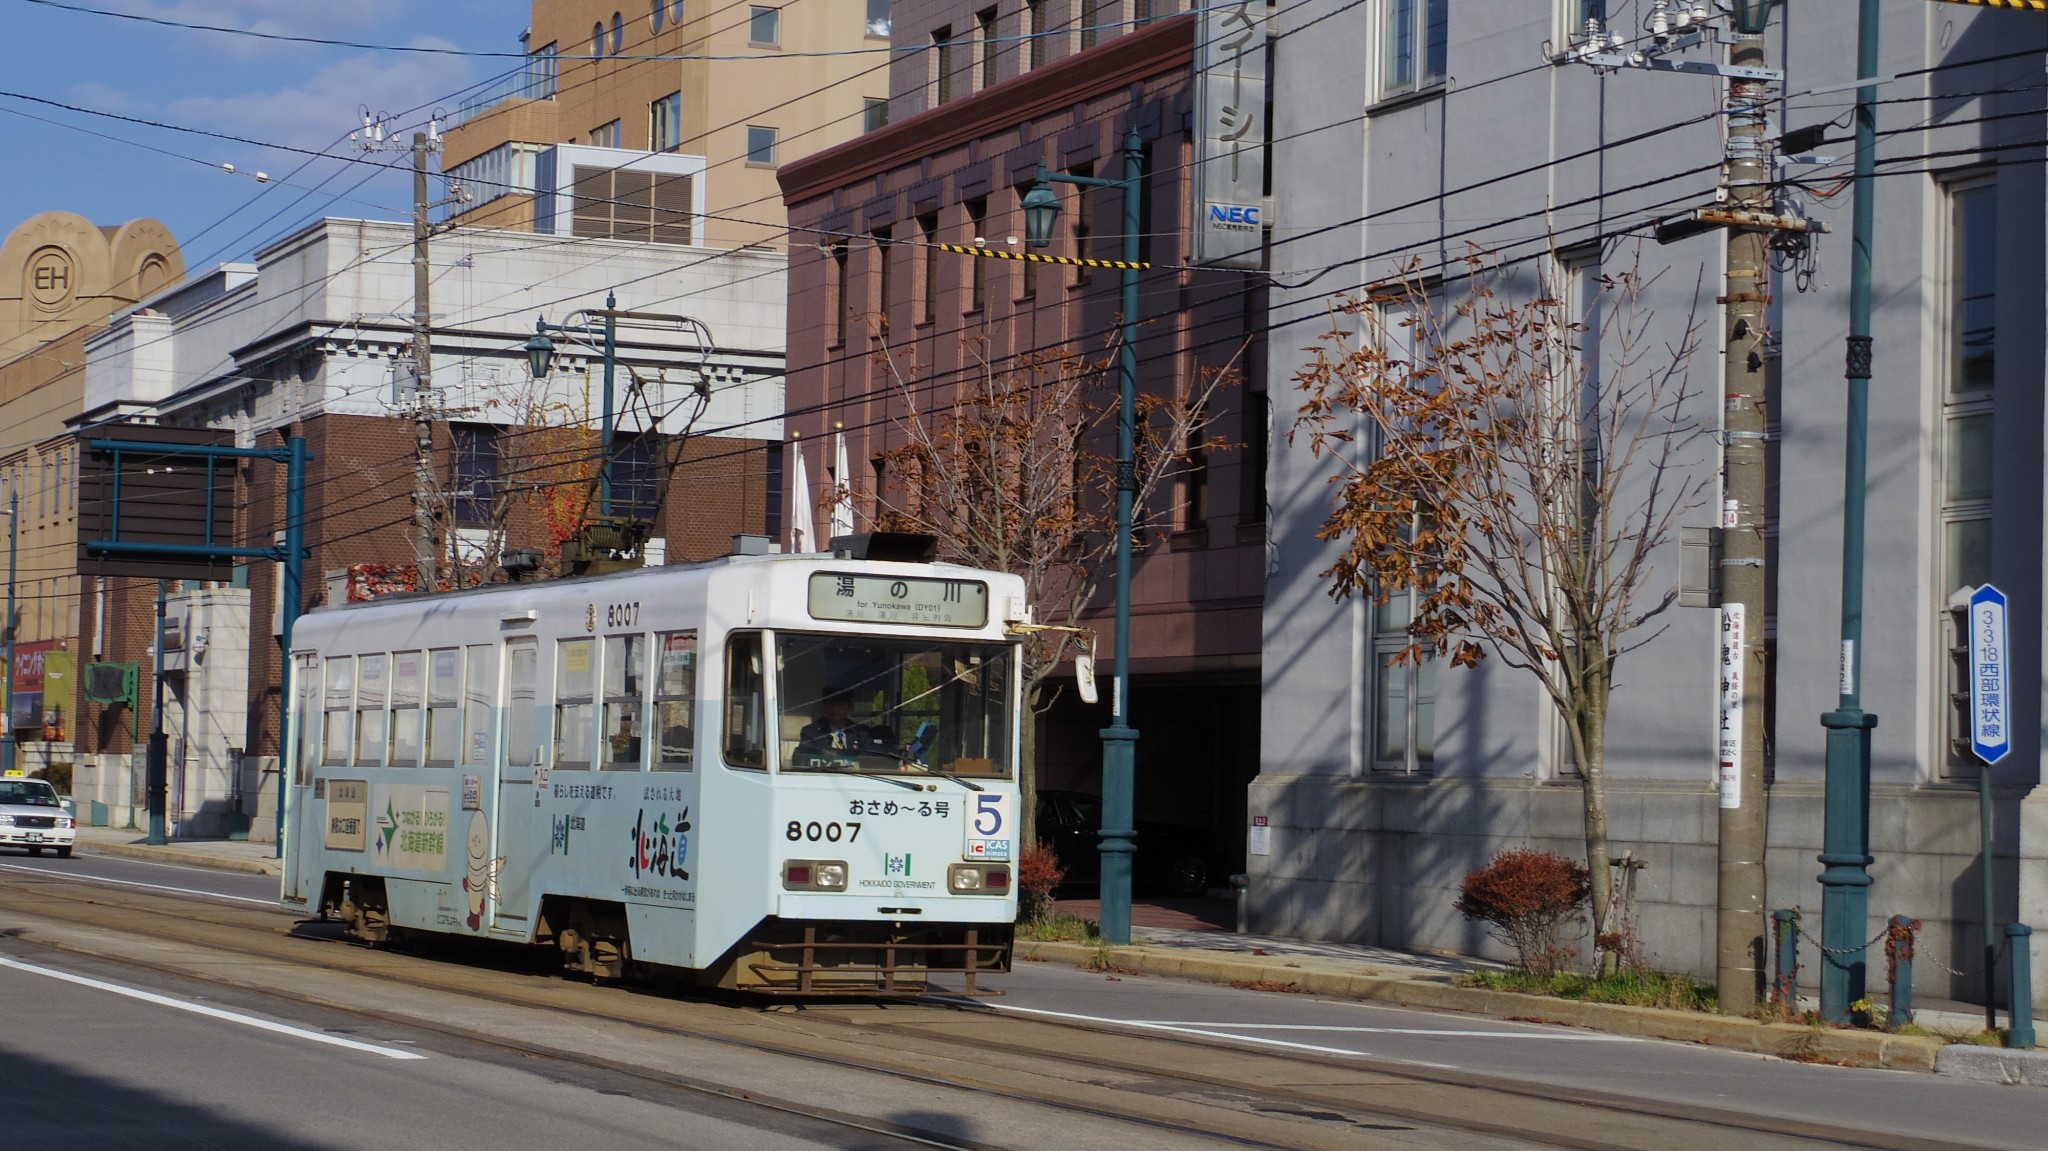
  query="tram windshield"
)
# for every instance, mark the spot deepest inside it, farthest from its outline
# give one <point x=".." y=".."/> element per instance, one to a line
<point x="863" y="703"/>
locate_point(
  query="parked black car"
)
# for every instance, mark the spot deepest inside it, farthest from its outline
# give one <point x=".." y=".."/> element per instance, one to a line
<point x="1177" y="860"/>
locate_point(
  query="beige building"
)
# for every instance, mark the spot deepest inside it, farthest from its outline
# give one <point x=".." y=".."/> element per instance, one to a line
<point x="700" y="102"/>
<point x="62" y="278"/>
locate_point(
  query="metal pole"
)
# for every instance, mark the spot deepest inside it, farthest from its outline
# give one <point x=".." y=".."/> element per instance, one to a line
<point x="291" y="596"/>
<point x="426" y="556"/>
<point x="8" y="744"/>
<point x="156" y="780"/>
<point x="611" y="347"/>
<point x="2020" y="1006"/>
<point x="1739" y="936"/>
<point x="1845" y="852"/>
<point x="1119" y="739"/>
<point x="1990" y="908"/>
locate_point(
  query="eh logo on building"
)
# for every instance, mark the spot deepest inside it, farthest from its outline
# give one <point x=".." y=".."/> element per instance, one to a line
<point x="1241" y="217"/>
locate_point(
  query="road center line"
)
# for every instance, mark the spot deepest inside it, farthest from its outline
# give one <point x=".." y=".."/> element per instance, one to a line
<point x="211" y="1012"/>
<point x="48" y="874"/>
<point x="1566" y="1036"/>
<point x="1209" y="1031"/>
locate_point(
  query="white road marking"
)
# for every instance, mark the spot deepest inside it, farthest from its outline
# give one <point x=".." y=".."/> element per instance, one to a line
<point x="1567" y="1036"/>
<point x="1208" y="1031"/>
<point x="71" y="875"/>
<point x="211" y="1012"/>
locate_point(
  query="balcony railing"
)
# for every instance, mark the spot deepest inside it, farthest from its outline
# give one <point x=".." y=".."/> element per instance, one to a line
<point x="533" y="80"/>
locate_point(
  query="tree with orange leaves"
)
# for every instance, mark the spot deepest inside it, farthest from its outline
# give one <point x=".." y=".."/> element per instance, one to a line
<point x="1484" y="465"/>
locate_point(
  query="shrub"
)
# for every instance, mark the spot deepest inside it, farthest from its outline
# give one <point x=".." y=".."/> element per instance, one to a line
<point x="1038" y="875"/>
<point x="1525" y="898"/>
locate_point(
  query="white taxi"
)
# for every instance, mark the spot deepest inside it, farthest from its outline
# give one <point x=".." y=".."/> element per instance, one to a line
<point x="32" y="816"/>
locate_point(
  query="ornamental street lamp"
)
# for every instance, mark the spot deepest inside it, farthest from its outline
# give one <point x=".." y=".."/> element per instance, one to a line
<point x="540" y="353"/>
<point x="1751" y="16"/>
<point x="1119" y="739"/>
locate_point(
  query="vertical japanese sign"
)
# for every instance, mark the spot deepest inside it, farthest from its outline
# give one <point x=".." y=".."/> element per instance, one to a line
<point x="1990" y="702"/>
<point x="1728" y="738"/>
<point x="1230" y="134"/>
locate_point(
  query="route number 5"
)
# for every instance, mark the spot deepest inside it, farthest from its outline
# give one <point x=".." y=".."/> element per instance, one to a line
<point x="988" y="827"/>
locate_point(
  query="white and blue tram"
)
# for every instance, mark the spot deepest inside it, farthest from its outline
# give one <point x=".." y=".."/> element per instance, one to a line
<point x="767" y="772"/>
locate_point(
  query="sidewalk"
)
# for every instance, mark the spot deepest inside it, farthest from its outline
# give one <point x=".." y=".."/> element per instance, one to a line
<point x="225" y="854"/>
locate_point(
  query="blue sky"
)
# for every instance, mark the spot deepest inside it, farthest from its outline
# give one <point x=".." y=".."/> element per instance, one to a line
<point x="300" y="95"/>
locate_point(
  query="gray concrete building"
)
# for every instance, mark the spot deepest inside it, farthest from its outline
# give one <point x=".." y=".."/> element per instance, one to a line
<point x="1410" y="129"/>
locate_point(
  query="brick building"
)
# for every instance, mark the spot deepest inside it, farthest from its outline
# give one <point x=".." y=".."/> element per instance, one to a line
<point x="977" y="105"/>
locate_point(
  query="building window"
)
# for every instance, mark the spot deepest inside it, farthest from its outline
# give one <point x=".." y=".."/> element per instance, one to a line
<point x="1141" y="11"/>
<point x="879" y="22"/>
<point x="760" y="145"/>
<point x="977" y="223"/>
<point x="659" y="13"/>
<point x="675" y="17"/>
<point x="605" y="135"/>
<point x="597" y="41"/>
<point x="1027" y="289"/>
<point x="1968" y="473"/>
<point x="1034" y="22"/>
<point x="1403" y="703"/>
<point x="665" y="123"/>
<point x="538" y="82"/>
<point x="942" y="61"/>
<point x="618" y="33"/>
<point x="1252" y="492"/>
<point x="875" y="114"/>
<point x="1084" y="226"/>
<point x="985" y="23"/>
<point x="764" y="27"/>
<point x="1089" y="13"/>
<point x="476" y="473"/>
<point x="928" y="232"/>
<point x="1414" y="45"/>
<point x="1194" y="477"/>
<point x="637" y="464"/>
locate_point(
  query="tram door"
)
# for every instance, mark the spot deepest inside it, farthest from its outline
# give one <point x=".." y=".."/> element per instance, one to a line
<point x="302" y="826"/>
<point x="521" y="772"/>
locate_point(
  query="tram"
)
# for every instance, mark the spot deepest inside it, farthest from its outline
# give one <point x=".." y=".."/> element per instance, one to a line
<point x="776" y="773"/>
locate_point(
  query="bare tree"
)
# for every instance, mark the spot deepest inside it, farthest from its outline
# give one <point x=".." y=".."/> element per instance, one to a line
<point x="1012" y="467"/>
<point x="1484" y="466"/>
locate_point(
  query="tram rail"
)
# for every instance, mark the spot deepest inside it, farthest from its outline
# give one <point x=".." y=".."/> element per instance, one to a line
<point x="1124" y="1078"/>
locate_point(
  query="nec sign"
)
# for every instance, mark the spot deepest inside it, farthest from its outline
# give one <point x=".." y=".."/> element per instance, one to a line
<point x="1237" y="216"/>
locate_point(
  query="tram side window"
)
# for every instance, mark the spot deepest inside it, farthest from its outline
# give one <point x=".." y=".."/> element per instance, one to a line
<point x="373" y="723"/>
<point x="444" y="706"/>
<point x="744" y="727"/>
<point x="675" y="699"/>
<point x="306" y="687"/>
<point x="522" y="704"/>
<point x="575" y="701"/>
<point x="625" y="693"/>
<point x="406" y="732"/>
<point x="340" y="697"/>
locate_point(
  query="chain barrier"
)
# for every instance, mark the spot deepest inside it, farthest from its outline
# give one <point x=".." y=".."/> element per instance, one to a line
<point x="1866" y="945"/>
<point x="1996" y="956"/>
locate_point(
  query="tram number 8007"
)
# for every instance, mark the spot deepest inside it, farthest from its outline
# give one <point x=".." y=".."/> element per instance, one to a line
<point x="622" y="614"/>
<point x="799" y="831"/>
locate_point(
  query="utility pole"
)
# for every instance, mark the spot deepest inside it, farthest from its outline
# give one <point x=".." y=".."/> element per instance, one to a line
<point x="1747" y="217"/>
<point x="1745" y="581"/>
<point x="426" y="493"/>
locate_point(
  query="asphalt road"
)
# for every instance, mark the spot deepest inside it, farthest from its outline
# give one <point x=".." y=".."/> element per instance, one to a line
<point x="1559" y="1061"/>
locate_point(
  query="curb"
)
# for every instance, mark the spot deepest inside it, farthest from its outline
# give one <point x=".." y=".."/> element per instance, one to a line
<point x="1994" y="1065"/>
<point x="162" y="855"/>
<point x="1783" y="1040"/>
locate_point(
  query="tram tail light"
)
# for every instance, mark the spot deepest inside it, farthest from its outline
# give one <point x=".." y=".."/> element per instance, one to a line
<point x="814" y="875"/>
<point x="978" y="879"/>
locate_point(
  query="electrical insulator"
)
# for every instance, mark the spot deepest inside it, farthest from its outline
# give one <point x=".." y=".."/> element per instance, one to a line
<point x="1660" y="25"/>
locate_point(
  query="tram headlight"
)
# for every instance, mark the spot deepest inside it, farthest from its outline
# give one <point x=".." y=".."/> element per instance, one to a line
<point x="978" y="879"/>
<point x="814" y="875"/>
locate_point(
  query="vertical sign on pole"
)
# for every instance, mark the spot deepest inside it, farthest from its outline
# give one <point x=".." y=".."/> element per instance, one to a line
<point x="1728" y="736"/>
<point x="1230" y="135"/>
<point x="1990" y="707"/>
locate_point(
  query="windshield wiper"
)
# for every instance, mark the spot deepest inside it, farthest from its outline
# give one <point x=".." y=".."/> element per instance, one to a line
<point x="916" y="766"/>
<point x="857" y="773"/>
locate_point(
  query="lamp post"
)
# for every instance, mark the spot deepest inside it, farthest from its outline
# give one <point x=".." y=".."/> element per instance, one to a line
<point x="540" y="353"/>
<point x="1119" y="739"/>
<point x="8" y="744"/>
<point x="1845" y="845"/>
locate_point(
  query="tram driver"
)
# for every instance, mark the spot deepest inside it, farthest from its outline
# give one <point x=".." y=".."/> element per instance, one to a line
<point x="834" y="731"/>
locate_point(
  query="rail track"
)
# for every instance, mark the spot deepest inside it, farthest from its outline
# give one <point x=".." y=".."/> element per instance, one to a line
<point x="1178" y="1091"/>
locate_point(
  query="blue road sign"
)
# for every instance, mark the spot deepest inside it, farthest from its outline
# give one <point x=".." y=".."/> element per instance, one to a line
<point x="1990" y="701"/>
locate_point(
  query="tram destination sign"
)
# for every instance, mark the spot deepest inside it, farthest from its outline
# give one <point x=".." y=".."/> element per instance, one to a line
<point x="898" y="599"/>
